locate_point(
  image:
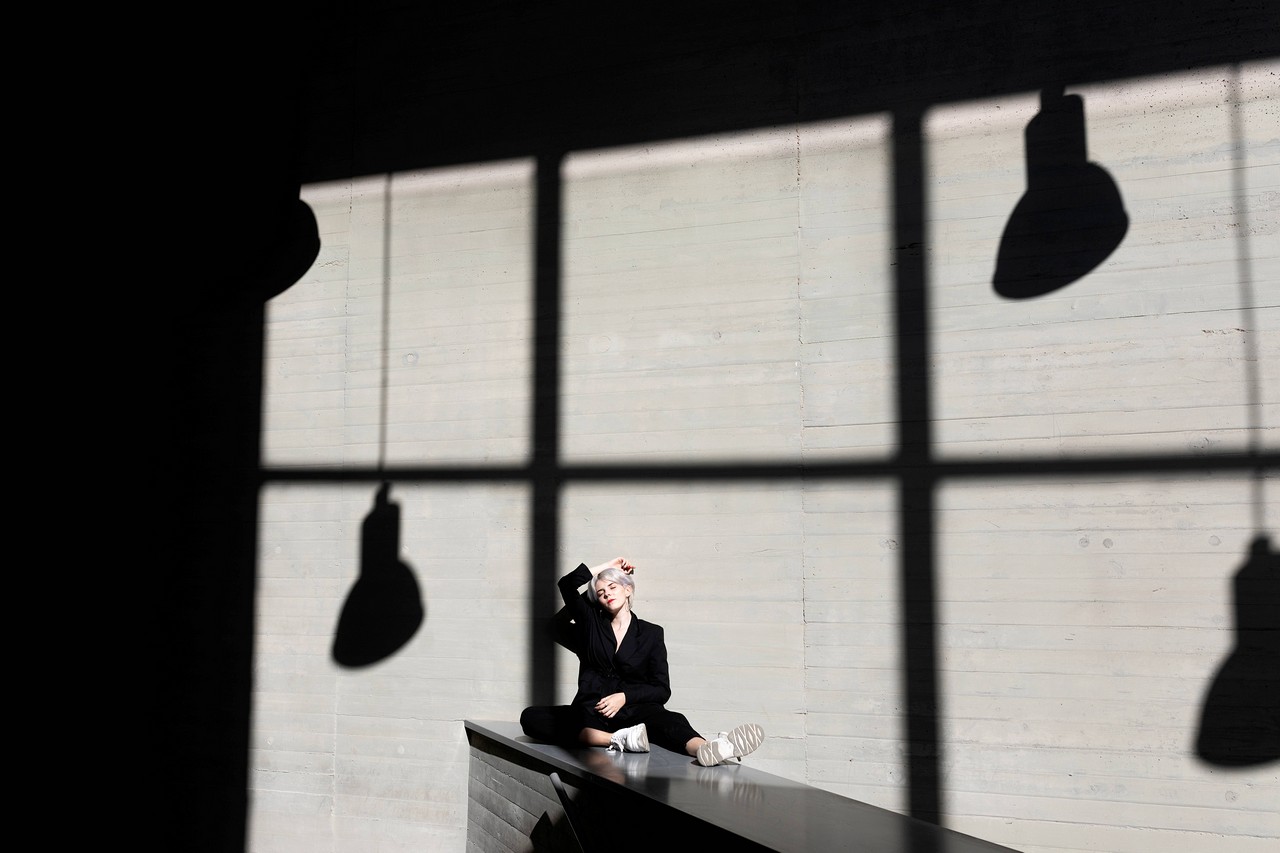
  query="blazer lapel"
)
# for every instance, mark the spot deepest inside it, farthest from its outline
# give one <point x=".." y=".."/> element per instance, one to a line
<point x="629" y="639"/>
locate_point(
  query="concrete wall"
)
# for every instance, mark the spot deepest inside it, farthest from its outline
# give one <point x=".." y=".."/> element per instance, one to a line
<point x="727" y="315"/>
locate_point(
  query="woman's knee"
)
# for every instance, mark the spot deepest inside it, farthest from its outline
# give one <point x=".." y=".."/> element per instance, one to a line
<point x="533" y="721"/>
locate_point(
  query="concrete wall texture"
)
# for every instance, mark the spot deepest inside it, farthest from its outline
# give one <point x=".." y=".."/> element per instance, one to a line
<point x="962" y="555"/>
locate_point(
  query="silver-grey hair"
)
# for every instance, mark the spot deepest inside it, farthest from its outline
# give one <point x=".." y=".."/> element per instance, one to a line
<point x="617" y="575"/>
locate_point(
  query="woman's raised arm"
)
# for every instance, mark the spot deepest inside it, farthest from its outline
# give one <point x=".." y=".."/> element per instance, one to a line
<point x="616" y="563"/>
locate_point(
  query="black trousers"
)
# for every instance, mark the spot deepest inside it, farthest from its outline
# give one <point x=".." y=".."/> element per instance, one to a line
<point x="561" y="724"/>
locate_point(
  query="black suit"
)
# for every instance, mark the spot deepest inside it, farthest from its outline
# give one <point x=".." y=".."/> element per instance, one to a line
<point x="637" y="668"/>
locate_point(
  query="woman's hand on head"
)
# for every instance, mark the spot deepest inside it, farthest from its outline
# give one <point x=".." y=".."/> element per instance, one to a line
<point x="616" y="563"/>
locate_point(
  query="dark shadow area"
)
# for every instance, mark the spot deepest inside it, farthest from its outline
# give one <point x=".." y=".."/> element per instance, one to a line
<point x="407" y="85"/>
<point x="1240" y="719"/>
<point x="545" y="472"/>
<point x="226" y="231"/>
<point x="1070" y="219"/>
<point x="333" y="91"/>
<point x="384" y="608"/>
<point x="283" y="261"/>
<point x="552" y="836"/>
<point x="207" y="581"/>
<point x="916" y="484"/>
<point x="583" y="840"/>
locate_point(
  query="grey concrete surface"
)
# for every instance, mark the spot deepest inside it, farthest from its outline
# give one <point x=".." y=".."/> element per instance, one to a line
<point x="749" y="804"/>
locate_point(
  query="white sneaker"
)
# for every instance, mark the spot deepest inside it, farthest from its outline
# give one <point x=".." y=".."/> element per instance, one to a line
<point x="729" y="745"/>
<point x="632" y="739"/>
<point x="732" y="758"/>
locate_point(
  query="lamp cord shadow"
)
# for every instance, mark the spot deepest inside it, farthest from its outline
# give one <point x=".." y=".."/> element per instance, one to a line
<point x="384" y="608"/>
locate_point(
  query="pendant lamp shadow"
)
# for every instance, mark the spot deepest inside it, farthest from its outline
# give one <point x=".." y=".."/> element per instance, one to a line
<point x="384" y="608"/>
<point x="1070" y="219"/>
<point x="1240" y="718"/>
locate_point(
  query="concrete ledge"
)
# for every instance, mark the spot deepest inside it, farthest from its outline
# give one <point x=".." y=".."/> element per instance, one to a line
<point x="641" y="801"/>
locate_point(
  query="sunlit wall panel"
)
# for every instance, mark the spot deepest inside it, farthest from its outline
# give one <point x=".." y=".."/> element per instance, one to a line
<point x="1149" y="353"/>
<point x="343" y="758"/>
<point x="854" y="694"/>
<point x="680" y="301"/>
<point x="846" y="299"/>
<point x="408" y="341"/>
<point x="1081" y="624"/>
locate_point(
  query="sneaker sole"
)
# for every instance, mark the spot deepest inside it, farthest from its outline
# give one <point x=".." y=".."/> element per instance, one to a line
<point x="709" y="757"/>
<point x="745" y="739"/>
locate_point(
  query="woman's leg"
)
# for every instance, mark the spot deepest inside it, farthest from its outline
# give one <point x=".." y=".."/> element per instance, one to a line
<point x="538" y="722"/>
<point x="595" y="729"/>
<point x="624" y="732"/>
<point x="671" y="730"/>
<point x="594" y="737"/>
<point x="559" y="724"/>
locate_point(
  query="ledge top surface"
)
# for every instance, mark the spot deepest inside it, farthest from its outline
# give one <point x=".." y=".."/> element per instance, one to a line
<point x="772" y="811"/>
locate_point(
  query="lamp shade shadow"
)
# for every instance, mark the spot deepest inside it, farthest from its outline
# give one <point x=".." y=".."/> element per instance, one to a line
<point x="384" y="608"/>
<point x="1070" y="219"/>
<point x="1240" y="719"/>
<point x="280" y="264"/>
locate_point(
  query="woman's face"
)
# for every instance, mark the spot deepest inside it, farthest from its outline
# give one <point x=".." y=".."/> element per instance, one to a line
<point x="612" y="595"/>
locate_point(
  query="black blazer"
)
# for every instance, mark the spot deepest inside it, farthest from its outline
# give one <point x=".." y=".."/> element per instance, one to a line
<point x="638" y="668"/>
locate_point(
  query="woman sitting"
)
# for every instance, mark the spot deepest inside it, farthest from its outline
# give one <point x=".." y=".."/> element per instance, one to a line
<point x="623" y="680"/>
